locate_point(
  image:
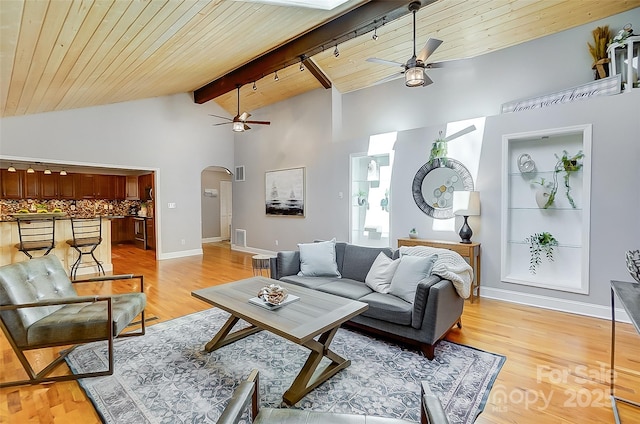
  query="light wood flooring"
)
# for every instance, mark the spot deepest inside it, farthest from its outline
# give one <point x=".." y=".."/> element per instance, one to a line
<point x="557" y="367"/>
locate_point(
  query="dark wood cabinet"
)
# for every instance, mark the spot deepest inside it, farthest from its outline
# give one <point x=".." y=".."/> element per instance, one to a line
<point x="104" y="187"/>
<point x="31" y="185"/>
<point x="67" y="187"/>
<point x="145" y="187"/>
<point x="11" y="184"/>
<point x="151" y="234"/>
<point x="122" y="230"/>
<point x="49" y="186"/>
<point x="120" y="187"/>
<point x="85" y="183"/>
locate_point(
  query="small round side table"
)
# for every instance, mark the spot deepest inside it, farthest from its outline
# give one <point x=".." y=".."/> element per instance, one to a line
<point x="261" y="265"/>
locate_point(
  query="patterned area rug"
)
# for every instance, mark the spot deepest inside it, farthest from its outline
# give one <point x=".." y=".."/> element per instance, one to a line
<point x="167" y="377"/>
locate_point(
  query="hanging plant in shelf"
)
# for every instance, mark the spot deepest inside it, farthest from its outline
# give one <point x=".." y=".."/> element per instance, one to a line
<point x="568" y="165"/>
<point x="539" y="243"/>
<point x="439" y="149"/>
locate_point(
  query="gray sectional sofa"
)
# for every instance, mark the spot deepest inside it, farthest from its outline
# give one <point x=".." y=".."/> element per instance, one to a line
<point x="437" y="307"/>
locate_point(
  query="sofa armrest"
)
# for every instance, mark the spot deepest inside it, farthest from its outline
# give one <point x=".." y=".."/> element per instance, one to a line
<point x="286" y="263"/>
<point x="443" y="310"/>
<point x="421" y="298"/>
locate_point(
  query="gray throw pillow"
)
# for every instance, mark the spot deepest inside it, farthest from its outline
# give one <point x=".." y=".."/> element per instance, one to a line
<point x="318" y="259"/>
<point x="411" y="270"/>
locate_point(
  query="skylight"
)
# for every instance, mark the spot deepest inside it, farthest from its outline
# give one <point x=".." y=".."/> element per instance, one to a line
<point x="313" y="4"/>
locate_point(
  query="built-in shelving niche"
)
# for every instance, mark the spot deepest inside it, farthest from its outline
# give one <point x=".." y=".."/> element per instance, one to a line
<point x="522" y="216"/>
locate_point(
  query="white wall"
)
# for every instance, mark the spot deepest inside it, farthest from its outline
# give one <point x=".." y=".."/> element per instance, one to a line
<point x="302" y="137"/>
<point x="171" y="135"/>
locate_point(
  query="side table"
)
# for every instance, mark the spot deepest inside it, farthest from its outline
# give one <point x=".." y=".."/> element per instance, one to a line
<point x="471" y="252"/>
<point x="260" y="264"/>
<point x="629" y="297"/>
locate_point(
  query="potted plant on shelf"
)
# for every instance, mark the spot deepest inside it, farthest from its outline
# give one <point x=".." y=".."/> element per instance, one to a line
<point x="539" y="243"/>
<point x="362" y="198"/>
<point x="413" y="233"/>
<point x="568" y="165"/>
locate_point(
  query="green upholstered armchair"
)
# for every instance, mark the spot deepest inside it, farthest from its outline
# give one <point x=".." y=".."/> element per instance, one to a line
<point x="249" y="390"/>
<point x="40" y="308"/>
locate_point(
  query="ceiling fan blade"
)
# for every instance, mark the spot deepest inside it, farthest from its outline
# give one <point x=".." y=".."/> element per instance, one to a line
<point x="427" y="80"/>
<point x="460" y="133"/>
<point x="221" y="117"/>
<point x="244" y="116"/>
<point x="389" y="78"/>
<point x="454" y="63"/>
<point x="428" y="49"/>
<point x="258" y="122"/>
<point x="384" y="62"/>
<point x="222" y="123"/>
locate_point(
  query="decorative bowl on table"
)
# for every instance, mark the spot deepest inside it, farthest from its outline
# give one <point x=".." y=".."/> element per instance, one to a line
<point x="633" y="263"/>
<point x="273" y="294"/>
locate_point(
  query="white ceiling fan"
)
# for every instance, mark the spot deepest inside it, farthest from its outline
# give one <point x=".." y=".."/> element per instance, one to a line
<point x="414" y="69"/>
<point x="240" y="120"/>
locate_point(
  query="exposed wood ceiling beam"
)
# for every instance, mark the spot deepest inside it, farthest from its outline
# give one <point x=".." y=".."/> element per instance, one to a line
<point x="354" y="23"/>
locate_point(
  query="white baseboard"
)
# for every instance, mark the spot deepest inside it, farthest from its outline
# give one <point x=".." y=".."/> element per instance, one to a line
<point x="253" y="250"/>
<point x="180" y="254"/>
<point x="213" y="239"/>
<point x="563" y="305"/>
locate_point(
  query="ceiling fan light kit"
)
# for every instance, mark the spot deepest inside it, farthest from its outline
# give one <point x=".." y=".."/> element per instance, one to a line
<point x="414" y="77"/>
<point x="239" y="122"/>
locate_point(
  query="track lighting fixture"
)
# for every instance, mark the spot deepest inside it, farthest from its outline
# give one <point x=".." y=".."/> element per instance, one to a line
<point x="375" y="34"/>
<point x="301" y="66"/>
<point x="336" y="53"/>
<point x="254" y="86"/>
<point x="11" y="168"/>
<point x="276" y="77"/>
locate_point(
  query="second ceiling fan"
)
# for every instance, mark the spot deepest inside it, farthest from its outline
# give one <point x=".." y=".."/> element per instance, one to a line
<point x="414" y="69"/>
<point x="240" y="120"/>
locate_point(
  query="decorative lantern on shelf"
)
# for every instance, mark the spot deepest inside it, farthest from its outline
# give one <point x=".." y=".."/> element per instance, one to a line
<point x="623" y="52"/>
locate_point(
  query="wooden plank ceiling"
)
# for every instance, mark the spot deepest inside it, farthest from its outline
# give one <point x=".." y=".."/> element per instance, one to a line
<point x="67" y="54"/>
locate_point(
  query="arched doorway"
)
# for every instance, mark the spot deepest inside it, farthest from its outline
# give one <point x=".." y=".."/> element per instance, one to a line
<point x="216" y="204"/>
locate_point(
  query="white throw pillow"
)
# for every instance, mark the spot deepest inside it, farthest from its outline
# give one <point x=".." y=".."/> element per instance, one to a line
<point x="411" y="270"/>
<point x="318" y="259"/>
<point x="381" y="272"/>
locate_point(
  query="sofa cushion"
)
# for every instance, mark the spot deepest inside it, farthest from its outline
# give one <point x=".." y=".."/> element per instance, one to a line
<point x="411" y="270"/>
<point x="345" y="288"/>
<point x="381" y="273"/>
<point x="318" y="259"/>
<point x="287" y="263"/>
<point x="387" y="308"/>
<point x="308" y="282"/>
<point x="358" y="260"/>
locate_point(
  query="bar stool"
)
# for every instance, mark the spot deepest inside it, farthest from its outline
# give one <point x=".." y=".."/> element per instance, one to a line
<point x="87" y="236"/>
<point x="261" y="263"/>
<point x="36" y="234"/>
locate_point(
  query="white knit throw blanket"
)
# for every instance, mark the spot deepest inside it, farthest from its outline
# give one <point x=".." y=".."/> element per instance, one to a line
<point x="449" y="265"/>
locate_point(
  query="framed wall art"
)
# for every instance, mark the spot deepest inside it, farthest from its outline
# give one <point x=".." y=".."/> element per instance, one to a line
<point x="285" y="192"/>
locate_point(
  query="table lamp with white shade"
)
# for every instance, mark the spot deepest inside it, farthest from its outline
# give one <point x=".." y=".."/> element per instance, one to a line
<point x="466" y="204"/>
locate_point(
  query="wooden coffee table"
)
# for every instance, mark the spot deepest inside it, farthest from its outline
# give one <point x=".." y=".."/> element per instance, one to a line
<point x="315" y="314"/>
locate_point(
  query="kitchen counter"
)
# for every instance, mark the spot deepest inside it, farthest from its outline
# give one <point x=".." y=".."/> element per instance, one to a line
<point x="9" y="237"/>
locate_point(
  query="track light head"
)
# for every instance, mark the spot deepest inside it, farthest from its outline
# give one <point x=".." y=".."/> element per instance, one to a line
<point x="254" y="86"/>
<point x="301" y="66"/>
<point x="276" y="78"/>
<point x="375" y="34"/>
<point x="336" y="53"/>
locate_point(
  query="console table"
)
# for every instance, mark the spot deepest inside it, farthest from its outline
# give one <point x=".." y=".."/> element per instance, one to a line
<point x="629" y="297"/>
<point x="471" y="252"/>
